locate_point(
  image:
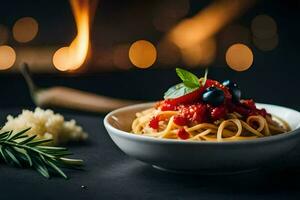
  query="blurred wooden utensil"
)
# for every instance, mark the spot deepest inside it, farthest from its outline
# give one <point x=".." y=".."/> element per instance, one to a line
<point x="64" y="97"/>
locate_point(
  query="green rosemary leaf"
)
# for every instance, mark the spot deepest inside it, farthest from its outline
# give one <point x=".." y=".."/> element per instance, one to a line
<point x="40" y="167"/>
<point x="9" y="134"/>
<point x="75" y="162"/>
<point x="28" y="139"/>
<point x="3" y="154"/>
<point x="21" y="137"/>
<point x="33" y="151"/>
<point x="38" y="142"/>
<point x="4" y="134"/>
<point x="61" y="154"/>
<point x="20" y="133"/>
<point x="26" y="157"/>
<point x="52" y="148"/>
<point x="12" y="156"/>
<point x="55" y="152"/>
<point x="43" y="158"/>
<point x="40" y="170"/>
<point x="54" y="167"/>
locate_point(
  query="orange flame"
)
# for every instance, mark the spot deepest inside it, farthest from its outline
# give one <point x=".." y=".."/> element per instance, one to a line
<point x="73" y="56"/>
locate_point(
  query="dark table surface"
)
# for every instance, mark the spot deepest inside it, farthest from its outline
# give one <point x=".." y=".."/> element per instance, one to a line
<point x="110" y="174"/>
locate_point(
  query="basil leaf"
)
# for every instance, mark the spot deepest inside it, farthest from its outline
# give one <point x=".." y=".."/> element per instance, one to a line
<point x="178" y="91"/>
<point x="189" y="79"/>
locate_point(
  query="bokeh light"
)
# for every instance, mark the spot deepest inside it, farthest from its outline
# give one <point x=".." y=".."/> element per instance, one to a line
<point x="142" y="54"/>
<point x="263" y="26"/>
<point x="62" y="59"/>
<point x="25" y="29"/>
<point x="264" y="31"/>
<point x="7" y="57"/>
<point x="239" y="57"/>
<point x="4" y="34"/>
<point x="120" y="56"/>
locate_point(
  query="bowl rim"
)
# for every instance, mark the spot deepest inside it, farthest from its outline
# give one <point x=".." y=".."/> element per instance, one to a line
<point x="121" y="133"/>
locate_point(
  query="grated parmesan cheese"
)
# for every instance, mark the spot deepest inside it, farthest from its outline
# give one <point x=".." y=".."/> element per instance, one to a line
<point x="46" y="125"/>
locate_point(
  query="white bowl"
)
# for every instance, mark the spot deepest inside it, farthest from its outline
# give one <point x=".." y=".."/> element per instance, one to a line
<point x="202" y="156"/>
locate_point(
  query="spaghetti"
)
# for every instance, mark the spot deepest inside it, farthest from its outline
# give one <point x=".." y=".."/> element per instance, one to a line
<point x="211" y="112"/>
<point x="233" y="127"/>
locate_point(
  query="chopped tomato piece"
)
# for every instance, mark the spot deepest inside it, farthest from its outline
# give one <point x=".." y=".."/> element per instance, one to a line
<point x="188" y="98"/>
<point x="195" y="112"/>
<point x="180" y="120"/>
<point x="218" y="112"/>
<point x="154" y="123"/>
<point x="183" y="134"/>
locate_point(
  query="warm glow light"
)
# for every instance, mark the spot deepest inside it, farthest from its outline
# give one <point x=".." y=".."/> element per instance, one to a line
<point x="239" y="57"/>
<point x="207" y="22"/>
<point x="263" y="26"/>
<point x="3" y="34"/>
<point x="62" y="59"/>
<point x="73" y="56"/>
<point x="142" y="54"/>
<point x="200" y="54"/>
<point x="7" y="57"/>
<point x="25" y="29"/>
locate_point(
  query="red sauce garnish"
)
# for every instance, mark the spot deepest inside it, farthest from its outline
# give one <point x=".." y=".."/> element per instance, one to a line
<point x="241" y="110"/>
<point x="218" y="112"/>
<point x="167" y="105"/>
<point x="180" y="120"/>
<point x="188" y="98"/>
<point x="193" y="110"/>
<point x="154" y="123"/>
<point x="182" y="134"/>
<point x="249" y="103"/>
<point x="194" y="113"/>
<point x="248" y="108"/>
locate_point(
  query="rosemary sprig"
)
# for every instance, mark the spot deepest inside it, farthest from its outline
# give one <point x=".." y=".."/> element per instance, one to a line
<point x="19" y="149"/>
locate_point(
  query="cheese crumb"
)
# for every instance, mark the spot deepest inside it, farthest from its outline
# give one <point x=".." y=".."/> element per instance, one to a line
<point x="46" y="125"/>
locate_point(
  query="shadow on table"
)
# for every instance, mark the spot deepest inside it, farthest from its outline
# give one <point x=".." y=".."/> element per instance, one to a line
<point x="259" y="182"/>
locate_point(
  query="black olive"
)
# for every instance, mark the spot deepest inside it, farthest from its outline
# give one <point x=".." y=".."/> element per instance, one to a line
<point x="234" y="90"/>
<point x="236" y="94"/>
<point x="213" y="96"/>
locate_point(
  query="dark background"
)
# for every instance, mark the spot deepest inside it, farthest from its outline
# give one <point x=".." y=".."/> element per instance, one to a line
<point x="109" y="174"/>
<point x="273" y="78"/>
